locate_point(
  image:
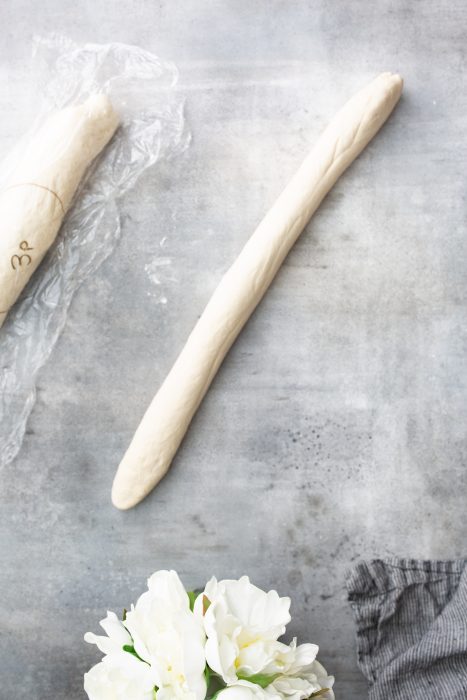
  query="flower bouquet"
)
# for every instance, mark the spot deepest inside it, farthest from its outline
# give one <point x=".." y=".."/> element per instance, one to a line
<point x="220" y="643"/>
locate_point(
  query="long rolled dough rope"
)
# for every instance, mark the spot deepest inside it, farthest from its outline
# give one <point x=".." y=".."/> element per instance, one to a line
<point x="242" y="287"/>
<point x="41" y="187"/>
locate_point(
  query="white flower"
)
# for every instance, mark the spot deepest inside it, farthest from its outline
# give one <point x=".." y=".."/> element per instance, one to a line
<point x="170" y="638"/>
<point x="119" y="676"/>
<point x="301" y="675"/>
<point x="303" y="682"/>
<point x="117" y="635"/>
<point x="235" y="627"/>
<point x="296" y="688"/>
<point x="242" y="624"/>
<point x="316" y="673"/>
<point x="290" y="659"/>
<point x="283" y="688"/>
<point x="321" y="674"/>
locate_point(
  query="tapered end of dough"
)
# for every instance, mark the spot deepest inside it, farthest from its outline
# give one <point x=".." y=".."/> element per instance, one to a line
<point x="120" y="502"/>
<point x="393" y="81"/>
<point x="135" y="478"/>
<point x="365" y="113"/>
<point x="99" y="110"/>
<point x="122" y="496"/>
<point x="391" y="85"/>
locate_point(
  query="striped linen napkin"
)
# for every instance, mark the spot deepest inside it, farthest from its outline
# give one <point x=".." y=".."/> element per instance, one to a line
<point x="411" y="619"/>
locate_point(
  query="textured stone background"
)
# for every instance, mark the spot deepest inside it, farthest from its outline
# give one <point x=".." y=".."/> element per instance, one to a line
<point x="336" y="428"/>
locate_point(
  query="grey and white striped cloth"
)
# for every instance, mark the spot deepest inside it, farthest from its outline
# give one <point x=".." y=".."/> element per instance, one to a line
<point x="411" y="619"/>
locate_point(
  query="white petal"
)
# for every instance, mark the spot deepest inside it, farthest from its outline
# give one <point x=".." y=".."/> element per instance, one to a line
<point x="167" y="587"/>
<point x="265" y="614"/>
<point x="318" y="672"/>
<point x="253" y="658"/>
<point x="104" y="644"/>
<point x="117" y="635"/>
<point x="115" y="628"/>
<point x="220" y="655"/>
<point x="305" y="655"/>
<point x="294" y="688"/>
<point x="119" y="677"/>
<point x="242" y="691"/>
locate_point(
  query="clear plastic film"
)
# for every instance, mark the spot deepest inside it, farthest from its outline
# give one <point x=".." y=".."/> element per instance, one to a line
<point x="141" y="88"/>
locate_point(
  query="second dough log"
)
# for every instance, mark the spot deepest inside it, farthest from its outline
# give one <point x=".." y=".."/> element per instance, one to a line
<point x="242" y="287"/>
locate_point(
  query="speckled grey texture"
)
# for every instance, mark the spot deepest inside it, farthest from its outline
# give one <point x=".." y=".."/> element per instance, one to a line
<point x="336" y="428"/>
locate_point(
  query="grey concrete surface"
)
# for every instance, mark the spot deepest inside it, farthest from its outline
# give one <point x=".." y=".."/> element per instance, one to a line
<point x="336" y="429"/>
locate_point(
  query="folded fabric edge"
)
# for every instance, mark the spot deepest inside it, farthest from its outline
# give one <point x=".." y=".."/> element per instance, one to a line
<point x="369" y="581"/>
<point x="360" y="584"/>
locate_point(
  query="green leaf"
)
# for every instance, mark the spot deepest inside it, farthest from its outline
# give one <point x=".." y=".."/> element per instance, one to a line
<point x="261" y="679"/>
<point x="131" y="650"/>
<point x="214" y="682"/>
<point x="192" y="595"/>
<point x="206" y="604"/>
<point x="213" y="697"/>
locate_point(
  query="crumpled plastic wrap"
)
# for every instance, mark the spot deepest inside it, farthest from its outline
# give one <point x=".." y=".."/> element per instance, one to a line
<point x="141" y="87"/>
